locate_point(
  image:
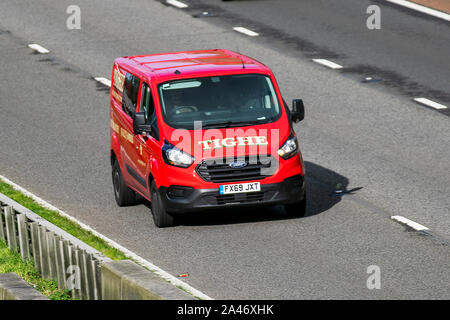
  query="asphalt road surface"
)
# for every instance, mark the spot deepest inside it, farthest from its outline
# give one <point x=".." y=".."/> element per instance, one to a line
<point x="409" y="53"/>
<point x="54" y="141"/>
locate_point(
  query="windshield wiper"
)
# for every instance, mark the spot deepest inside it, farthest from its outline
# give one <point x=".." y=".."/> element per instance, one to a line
<point x="230" y="124"/>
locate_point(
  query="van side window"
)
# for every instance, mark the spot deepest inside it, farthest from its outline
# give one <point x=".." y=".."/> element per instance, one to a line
<point x="130" y="94"/>
<point x="148" y="106"/>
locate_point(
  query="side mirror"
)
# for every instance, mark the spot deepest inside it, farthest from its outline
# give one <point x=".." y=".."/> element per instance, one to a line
<point x="298" y="110"/>
<point x="140" y="124"/>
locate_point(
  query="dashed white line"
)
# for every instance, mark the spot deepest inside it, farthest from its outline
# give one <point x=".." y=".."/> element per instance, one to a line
<point x="410" y="223"/>
<point x="246" y="31"/>
<point x="423" y="9"/>
<point x="177" y="4"/>
<point x="38" y="48"/>
<point x="328" y="63"/>
<point x="163" y="274"/>
<point x="104" y="81"/>
<point x="430" y="103"/>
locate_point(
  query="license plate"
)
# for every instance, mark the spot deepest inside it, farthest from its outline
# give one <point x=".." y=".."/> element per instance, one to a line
<point x="239" y="188"/>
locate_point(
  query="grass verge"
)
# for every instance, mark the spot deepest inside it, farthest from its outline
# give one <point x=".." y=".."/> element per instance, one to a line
<point x="62" y="222"/>
<point x="12" y="262"/>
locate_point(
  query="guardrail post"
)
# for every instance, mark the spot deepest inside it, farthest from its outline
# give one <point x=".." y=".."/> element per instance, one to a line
<point x="24" y="239"/>
<point x="51" y="255"/>
<point x="34" y="227"/>
<point x="79" y="263"/>
<point x="75" y="274"/>
<point x="59" y="257"/>
<point x="65" y="257"/>
<point x="80" y="279"/>
<point x="96" y="274"/>
<point x="11" y="234"/>
<point x="2" y="228"/>
<point x="43" y="252"/>
<point x="87" y="278"/>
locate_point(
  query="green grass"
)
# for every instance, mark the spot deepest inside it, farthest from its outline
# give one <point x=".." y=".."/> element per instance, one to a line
<point x="12" y="262"/>
<point x="62" y="222"/>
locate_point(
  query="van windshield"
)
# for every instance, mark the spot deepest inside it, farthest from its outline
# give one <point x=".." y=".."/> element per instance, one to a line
<point x="219" y="101"/>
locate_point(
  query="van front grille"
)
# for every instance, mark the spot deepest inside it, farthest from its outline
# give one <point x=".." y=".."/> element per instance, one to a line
<point x="256" y="168"/>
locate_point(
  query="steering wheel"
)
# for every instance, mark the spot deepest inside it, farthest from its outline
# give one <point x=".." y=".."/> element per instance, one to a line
<point x="186" y="109"/>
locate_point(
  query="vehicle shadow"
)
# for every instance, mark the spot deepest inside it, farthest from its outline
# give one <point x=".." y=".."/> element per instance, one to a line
<point x="321" y="186"/>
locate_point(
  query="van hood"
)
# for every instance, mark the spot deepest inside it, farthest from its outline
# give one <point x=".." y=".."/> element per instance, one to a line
<point x="263" y="139"/>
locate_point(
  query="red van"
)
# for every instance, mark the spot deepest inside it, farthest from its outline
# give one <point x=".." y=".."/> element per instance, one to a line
<point x="200" y="130"/>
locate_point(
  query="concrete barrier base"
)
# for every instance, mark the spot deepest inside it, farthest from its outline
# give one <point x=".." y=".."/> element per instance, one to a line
<point x="126" y="280"/>
<point x="13" y="287"/>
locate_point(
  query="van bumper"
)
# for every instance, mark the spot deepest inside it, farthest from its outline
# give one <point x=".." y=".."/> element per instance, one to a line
<point x="182" y="199"/>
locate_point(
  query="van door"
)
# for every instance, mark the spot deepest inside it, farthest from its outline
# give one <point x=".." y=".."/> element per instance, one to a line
<point x="128" y="152"/>
<point x="147" y="146"/>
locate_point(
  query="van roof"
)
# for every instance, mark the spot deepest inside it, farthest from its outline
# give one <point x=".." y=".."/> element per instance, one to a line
<point x="193" y="63"/>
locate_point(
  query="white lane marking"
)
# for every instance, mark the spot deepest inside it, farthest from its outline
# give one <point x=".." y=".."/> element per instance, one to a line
<point x="410" y="223"/>
<point x="430" y="103"/>
<point x="104" y="81"/>
<point x="423" y="9"/>
<point x="177" y="4"/>
<point x="328" y="63"/>
<point x="38" y="48"/>
<point x="246" y="31"/>
<point x="163" y="274"/>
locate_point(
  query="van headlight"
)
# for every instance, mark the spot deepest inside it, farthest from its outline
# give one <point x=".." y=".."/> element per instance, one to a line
<point x="175" y="157"/>
<point x="289" y="148"/>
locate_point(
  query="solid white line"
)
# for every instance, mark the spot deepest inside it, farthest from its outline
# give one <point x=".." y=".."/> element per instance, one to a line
<point x="328" y="63"/>
<point x="246" y="31"/>
<point x="163" y="274"/>
<point x="104" y="81"/>
<point x="423" y="9"/>
<point x="410" y="223"/>
<point x="177" y="4"/>
<point x="430" y="103"/>
<point x="38" y="48"/>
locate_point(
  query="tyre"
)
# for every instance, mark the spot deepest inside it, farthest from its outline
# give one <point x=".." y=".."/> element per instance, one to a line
<point x="161" y="217"/>
<point x="297" y="209"/>
<point x="124" y="195"/>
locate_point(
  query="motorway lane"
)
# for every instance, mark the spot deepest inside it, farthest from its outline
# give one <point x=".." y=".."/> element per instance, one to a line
<point x="409" y="53"/>
<point x="246" y="254"/>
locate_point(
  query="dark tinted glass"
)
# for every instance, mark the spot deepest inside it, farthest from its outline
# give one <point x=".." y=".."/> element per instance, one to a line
<point x="219" y="101"/>
<point x="130" y="94"/>
<point x="147" y="101"/>
<point x="148" y="106"/>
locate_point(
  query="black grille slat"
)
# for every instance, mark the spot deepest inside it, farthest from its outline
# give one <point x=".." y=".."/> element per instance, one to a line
<point x="240" y="198"/>
<point x="236" y="174"/>
<point x="221" y="172"/>
<point x="255" y="195"/>
<point x="223" y="169"/>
